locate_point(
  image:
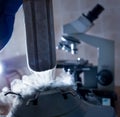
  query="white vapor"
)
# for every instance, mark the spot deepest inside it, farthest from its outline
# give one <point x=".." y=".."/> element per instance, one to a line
<point x="35" y="81"/>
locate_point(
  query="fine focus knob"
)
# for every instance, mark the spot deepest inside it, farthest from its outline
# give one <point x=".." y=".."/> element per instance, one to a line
<point x="105" y="77"/>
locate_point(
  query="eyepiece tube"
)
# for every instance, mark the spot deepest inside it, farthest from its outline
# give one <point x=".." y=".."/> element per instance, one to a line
<point x="95" y="12"/>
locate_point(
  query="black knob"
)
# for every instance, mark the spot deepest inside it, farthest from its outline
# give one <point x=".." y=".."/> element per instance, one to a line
<point x="105" y="77"/>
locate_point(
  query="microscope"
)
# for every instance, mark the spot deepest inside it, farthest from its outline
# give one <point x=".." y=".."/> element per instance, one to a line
<point x="96" y="78"/>
<point x="74" y="32"/>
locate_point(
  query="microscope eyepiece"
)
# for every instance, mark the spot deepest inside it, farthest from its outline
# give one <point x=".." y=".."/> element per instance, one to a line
<point x="94" y="13"/>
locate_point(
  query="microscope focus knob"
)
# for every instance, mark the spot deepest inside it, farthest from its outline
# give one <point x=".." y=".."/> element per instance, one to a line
<point x="105" y="77"/>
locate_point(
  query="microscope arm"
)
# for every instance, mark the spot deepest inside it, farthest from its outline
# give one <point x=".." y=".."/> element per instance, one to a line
<point x="105" y="49"/>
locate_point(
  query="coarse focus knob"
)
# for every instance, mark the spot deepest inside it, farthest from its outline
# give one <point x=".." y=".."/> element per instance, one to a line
<point x="105" y="77"/>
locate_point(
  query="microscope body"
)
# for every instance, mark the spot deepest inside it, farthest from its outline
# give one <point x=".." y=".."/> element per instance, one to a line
<point x="74" y="32"/>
